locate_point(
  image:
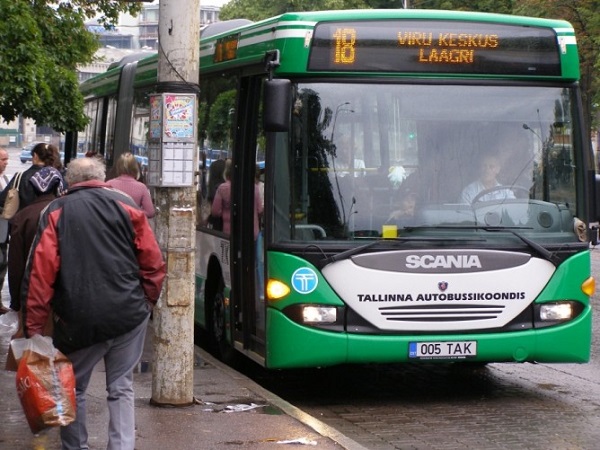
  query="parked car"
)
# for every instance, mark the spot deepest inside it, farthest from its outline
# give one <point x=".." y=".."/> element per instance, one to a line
<point x="25" y="155"/>
<point x="142" y="160"/>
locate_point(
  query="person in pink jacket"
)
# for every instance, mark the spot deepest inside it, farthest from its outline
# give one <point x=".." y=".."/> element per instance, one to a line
<point x="128" y="174"/>
<point x="221" y="206"/>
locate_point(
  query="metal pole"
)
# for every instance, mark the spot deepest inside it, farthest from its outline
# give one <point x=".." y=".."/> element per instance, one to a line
<point x="178" y="71"/>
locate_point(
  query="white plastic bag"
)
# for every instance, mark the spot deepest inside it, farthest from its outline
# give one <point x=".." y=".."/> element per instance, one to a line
<point x="46" y="385"/>
<point x="9" y="324"/>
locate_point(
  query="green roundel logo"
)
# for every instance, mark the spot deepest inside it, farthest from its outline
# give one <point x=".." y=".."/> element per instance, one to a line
<point x="305" y="280"/>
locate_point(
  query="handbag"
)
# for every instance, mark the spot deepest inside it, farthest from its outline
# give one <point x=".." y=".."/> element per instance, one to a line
<point x="11" y="203"/>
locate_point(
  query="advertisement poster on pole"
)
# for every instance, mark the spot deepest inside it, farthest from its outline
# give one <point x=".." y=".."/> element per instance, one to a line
<point x="172" y="137"/>
<point x="179" y="117"/>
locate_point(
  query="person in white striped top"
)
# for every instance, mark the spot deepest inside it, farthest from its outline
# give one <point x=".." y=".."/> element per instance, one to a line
<point x="3" y="227"/>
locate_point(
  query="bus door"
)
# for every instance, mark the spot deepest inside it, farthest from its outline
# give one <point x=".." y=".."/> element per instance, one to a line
<point x="247" y="255"/>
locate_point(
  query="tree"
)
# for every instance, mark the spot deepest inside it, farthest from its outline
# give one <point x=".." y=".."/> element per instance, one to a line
<point x="495" y="6"/>
<point x="584" y="15"/>
<point x="220" y="122"/>
<point x="263" y="9"/>
<point x="41" y="44"/>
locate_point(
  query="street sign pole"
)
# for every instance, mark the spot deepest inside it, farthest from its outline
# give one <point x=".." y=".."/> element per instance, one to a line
<point x="172" y="164"/>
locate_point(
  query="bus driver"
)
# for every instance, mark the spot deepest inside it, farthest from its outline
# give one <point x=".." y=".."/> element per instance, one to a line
<point x="489" y="167"/>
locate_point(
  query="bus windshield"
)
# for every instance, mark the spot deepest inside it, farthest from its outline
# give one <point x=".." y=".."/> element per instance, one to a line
<point x="427" y="157"/>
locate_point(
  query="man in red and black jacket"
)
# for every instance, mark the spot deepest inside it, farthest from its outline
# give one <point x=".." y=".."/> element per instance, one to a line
<point x="96" y="266"/>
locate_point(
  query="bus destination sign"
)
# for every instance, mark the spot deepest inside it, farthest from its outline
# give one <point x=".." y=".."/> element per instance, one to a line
<point x="226" y="48"/>
<point x="439" y="46"/>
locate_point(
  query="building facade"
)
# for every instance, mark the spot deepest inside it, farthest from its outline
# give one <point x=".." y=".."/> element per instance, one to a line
<point x="131" y="35"/>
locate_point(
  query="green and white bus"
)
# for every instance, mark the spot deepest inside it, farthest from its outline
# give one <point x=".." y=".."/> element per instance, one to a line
<point x="429" y="187"/>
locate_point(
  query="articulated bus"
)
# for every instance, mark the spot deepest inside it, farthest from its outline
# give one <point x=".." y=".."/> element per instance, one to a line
<point x="429" y="189"/>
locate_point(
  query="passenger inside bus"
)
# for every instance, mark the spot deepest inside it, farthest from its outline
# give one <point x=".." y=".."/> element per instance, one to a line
<point x="404" y="213"/>
<point x="221" y="204"/>
<point x="346" y="161"/>
<point x="215" y="179"/>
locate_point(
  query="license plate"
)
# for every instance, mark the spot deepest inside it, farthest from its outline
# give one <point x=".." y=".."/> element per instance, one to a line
<point x="442" y="350"/>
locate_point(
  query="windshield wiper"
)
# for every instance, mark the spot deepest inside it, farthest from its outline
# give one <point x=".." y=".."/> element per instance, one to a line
<point x="540" y="250"/>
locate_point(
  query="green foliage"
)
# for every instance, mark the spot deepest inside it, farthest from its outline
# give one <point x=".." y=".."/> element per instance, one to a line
<point x="584" y="15"/>
<point x="494" y="6"/>
<point x="220" y="122"/>
<point x="247" y="9"/>
<point x="41" y="43"/>
<point x="263" y="9"/>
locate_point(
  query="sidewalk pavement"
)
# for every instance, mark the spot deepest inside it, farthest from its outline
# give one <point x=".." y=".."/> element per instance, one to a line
<point x="205" y="426"/>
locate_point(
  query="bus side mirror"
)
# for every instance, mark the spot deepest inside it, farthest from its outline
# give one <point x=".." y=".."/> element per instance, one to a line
<point x="277" y="105"/>
<point x="593" y="229"/>
<point x="596" y="197"/>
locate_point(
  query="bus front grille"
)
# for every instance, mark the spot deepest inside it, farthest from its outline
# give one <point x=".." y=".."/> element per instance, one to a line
<point x="438" y="313"/>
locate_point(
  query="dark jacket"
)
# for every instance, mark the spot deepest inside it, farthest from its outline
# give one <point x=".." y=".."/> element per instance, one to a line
<point x="26" y="193"/>
<point x="96" y="261"/>
<point x="23" y="227"/>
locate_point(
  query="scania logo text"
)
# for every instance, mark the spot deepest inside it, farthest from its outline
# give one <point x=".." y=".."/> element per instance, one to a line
<point x="443" y="262"/>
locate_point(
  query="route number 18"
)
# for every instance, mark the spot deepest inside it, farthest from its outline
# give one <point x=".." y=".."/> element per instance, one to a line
<point x="345" y="50"/>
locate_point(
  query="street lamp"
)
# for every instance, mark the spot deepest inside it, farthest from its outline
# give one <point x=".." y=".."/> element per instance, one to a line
<point x="335" y="116"/>
<point x="344" y="218"/>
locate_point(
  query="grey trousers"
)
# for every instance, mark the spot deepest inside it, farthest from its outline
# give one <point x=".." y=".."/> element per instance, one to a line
<point x="120" y="355"/>
<point x="3" y="264"/>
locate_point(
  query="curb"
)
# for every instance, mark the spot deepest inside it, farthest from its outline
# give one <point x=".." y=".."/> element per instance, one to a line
<point x="315" y="424"/>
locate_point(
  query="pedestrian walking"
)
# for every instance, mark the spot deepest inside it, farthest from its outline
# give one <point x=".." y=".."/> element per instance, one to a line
<point x="3" y="228"/>
<point x="127" y="170"/>
<point x="43" y="155"/>
<point x="95" y="261"/>
<point x="47" y="184"/>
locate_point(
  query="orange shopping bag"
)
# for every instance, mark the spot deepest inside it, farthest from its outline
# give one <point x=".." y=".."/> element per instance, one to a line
<point x="46" y="385"/>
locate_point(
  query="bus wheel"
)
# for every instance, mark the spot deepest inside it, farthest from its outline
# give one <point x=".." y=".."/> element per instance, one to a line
<point x="218" y="325"/>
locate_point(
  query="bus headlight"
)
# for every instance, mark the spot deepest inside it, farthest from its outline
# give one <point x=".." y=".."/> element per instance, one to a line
<point x="556" y="311"/>
<point x="319" y="314"/>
